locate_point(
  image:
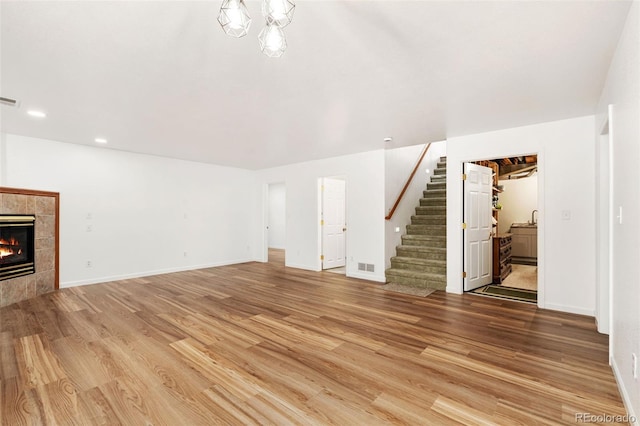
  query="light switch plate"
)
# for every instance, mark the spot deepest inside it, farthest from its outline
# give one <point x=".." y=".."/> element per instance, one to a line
<point x="620" y="215"/>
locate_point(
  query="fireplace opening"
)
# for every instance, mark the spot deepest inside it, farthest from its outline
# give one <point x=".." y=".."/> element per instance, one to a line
<point x="17" y="246"/>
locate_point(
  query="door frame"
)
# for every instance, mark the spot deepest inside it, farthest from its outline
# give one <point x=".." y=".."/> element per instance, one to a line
<point x="604" y="227"/>
<point x="269" y="219"/>
<point x="319" y="218"/>
<point x="265" y="220"/>
<point x="455" y="179"/>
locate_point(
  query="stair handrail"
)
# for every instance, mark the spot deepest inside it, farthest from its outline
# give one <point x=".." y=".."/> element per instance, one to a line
<point x="406" y="185"/>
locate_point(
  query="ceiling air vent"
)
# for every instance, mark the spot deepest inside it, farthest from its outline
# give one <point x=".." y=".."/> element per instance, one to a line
<point x="8" y="101"/>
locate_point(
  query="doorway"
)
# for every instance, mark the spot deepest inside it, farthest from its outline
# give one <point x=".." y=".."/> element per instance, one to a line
<point x="276" y="222"/>
<point x="333" y="224"/>
<point x="514" y="211"/>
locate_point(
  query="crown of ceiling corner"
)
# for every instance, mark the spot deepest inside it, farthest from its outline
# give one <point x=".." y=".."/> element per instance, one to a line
<point x="235" y="21"/>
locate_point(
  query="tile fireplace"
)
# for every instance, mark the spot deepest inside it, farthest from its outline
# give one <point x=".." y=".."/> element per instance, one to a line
<point x="30" y="254"/>
<point x="17" y="246"/>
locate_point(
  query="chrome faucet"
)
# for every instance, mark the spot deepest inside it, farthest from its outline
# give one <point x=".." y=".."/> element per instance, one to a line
<point x="533" y="218"/>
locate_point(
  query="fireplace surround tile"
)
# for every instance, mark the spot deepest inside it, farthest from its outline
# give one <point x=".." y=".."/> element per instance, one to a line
<point x="31" y="285"/>
<point x="45" y="282"/>
<point x="45" y="207"/>
<point x="16" y="292"/>
<point x="14" y="204"/>
<point x="45" y="226"/>
<point x="45" y="260"/>
<point x="45" y="243"/>
<point x="31" y="204"/>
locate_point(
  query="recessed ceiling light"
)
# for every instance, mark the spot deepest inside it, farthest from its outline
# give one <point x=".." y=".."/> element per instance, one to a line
<point x="387" y="140"/>
<point x="100" y="140"/>
<point x="37" y="114"/>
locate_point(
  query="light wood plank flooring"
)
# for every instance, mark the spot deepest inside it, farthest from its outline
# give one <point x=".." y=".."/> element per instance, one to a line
<point x="264" y="344"/>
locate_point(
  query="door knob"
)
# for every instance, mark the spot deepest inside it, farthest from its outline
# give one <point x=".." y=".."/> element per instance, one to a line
<point x="344" y="229"/>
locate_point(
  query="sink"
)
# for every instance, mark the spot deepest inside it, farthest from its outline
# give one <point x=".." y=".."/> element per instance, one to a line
<point x="524" y="225"/>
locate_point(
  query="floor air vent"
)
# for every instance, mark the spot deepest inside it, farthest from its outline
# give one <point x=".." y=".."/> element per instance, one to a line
<point x="366" y="267"/>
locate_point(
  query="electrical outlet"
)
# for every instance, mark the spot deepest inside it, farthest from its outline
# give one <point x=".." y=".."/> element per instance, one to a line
<point x="89" y="228"/>
<point x="185" y="254"/>
<point x="89" y="264"/>
<point x="634" y="365"/>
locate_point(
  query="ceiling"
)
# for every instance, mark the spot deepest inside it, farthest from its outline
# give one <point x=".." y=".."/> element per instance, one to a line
<point x="513" y="167"/>
<point x="162" y="78"/>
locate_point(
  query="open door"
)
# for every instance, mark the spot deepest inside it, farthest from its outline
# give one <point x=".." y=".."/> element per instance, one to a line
<point x="333" y="223"/>
<point x="477" y="234"/>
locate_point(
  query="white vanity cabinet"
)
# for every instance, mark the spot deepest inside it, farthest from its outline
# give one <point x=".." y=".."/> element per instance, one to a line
<point x="524" y="241"/>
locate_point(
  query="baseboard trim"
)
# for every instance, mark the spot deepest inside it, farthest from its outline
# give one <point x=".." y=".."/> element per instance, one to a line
<point x="570" y="309"/>
<point x="110" y="278"/>
<point x="454" y="289"/>
<point x="305" y="267"/>
<point x="626" y="399"/>
<point x="367" y="276"/>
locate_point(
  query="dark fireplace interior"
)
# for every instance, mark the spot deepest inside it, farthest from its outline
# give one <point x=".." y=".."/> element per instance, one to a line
<point x="17" y="253"/>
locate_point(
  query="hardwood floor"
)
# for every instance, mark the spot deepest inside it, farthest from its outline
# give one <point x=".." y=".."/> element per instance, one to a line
<point x="276" y="256"/>
<point x="264" y="344"/>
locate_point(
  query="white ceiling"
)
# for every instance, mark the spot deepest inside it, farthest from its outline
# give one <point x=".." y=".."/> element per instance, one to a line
<point x="162" y="77"/>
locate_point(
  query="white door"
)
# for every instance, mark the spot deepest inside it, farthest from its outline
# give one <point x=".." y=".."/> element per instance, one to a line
<point x="478" y="253"/>
<point x="333" y="223"/>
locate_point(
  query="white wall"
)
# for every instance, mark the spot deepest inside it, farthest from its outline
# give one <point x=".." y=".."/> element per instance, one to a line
<point x="3" y="155"/>
<point x="519" y="199"/>
<point x="364" y="174"/>
<point x="145" y="212"/>
<point x="622" y="90"/>
<point x="399" y="163"/>
<point x="566" y="248"/>
<point x="277" y="215"/>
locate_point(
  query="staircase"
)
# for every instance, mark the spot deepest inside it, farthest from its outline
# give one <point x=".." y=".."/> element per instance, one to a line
<point x="421" y="260"/>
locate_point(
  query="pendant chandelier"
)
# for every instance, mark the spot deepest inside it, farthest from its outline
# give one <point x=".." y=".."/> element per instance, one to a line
<point x="235" y="21"/>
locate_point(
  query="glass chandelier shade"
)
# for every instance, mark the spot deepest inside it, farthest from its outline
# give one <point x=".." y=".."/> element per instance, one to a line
<point x="234" y="18"/>
<point x="235" y="21"/>
<point x="272" y="41"/>
<point x="278" y="12"/>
